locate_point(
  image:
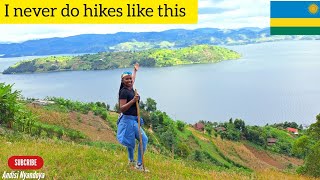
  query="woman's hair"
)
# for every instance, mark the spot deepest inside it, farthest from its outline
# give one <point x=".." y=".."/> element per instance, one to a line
<point x="121" y="85"/>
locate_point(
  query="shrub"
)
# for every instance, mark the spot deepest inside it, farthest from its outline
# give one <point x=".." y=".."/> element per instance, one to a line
<point x="180" y="125"/>
<point x="9" y="106"/>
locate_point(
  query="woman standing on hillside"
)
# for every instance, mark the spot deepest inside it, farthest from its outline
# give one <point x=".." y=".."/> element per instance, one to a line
<point x="128" y="130"/>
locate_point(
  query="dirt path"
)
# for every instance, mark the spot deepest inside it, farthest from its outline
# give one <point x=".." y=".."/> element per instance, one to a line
<point x="265" y="157"/>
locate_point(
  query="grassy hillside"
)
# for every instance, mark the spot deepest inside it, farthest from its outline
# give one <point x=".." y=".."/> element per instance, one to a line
<point x="77" y="141"/>
<point x="111" y="60"/>
<point x="64" y="160"/>
<point x="101" y="138"/>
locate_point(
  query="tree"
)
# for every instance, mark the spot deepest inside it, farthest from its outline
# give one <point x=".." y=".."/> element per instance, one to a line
<point x="290" y="124"/>
<point x="312" y="164"/>
<point x="254" y="135"/>
<point x="305" y="145"/>
<point x="230" y="121"/>
<point x="142" y="105"/>
<point x="233" y="135"/>
<point x="314" y="129"/>
<point x="154" y="120"/>
<point x="168" y="138"/>
<point x="148" y="62"/>
<point x="208" y="128"/>
<point x="180" y="125"/>
<point x="151" y="105"/>
<point x="215" y="124"/>
<point x="161" y="116"/>
<point x="301" y="146"/>
<point x="239" y="124"/>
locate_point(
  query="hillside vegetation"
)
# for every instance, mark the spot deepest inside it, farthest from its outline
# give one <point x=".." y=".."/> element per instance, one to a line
<point x="112" y="60"/>
<point x="77" y="141"/>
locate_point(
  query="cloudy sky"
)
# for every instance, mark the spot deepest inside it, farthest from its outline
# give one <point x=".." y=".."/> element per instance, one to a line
<point x="225" y="14"/>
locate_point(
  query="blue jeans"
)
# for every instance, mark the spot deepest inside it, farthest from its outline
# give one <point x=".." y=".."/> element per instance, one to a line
<point x="128" y="132"/>
<point x="144" y="144"/>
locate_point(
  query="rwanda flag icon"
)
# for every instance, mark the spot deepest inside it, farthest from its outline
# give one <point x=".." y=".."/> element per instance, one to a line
<point x="295" y="18"/>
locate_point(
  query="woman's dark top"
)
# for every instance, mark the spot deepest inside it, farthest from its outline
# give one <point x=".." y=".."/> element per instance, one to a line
<point x="127" y="94"/>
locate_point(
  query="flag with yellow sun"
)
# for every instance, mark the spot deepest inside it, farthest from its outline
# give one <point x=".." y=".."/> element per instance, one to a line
<point x="295" y="18"/>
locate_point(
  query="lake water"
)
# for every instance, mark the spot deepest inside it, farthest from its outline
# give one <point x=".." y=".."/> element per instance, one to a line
<point x="273" y="82"/>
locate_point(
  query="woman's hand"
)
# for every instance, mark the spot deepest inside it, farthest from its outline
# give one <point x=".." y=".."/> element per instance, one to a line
<point x="136" y="98"/>
<point x="124" y="105"/>
<point x="136" y="66"/>
<point x="135" y="69"/>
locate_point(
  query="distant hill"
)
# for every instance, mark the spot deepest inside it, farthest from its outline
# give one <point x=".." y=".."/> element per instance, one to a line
<point x="111" y="60"/>
<point x="122" y="41"/>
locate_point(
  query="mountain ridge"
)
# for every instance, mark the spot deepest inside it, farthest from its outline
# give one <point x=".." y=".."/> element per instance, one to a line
<point x="93" y="43"/>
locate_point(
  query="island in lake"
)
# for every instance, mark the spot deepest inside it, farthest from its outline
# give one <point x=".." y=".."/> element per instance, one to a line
<point x="111" y="60"/>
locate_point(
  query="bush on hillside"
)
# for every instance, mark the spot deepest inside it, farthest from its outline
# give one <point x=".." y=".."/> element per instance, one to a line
<point x="9" y="105"/>
<point x="181" y="125"/>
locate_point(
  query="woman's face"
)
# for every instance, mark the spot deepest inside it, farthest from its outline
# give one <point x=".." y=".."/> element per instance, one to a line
<point x="127" y="81"/>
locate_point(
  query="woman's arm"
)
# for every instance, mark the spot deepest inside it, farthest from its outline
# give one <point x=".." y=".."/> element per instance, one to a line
<point x="135" y="69"/>
<point x="124" y="105"/>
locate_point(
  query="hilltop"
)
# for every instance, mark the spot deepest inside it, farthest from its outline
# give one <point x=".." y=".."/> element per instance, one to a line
<point x="110" y="60"/>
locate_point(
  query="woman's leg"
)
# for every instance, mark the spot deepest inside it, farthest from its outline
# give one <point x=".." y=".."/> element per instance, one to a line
<point x="144" y="143"/>
<point x="126" y="136"/>
<point x="130" y="153"/>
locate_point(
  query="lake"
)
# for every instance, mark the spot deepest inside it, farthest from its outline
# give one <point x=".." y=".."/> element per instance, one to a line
<point x="273" y="82"/>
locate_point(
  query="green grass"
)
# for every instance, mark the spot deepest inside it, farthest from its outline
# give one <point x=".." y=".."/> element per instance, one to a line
<point x="64" y="160"/>
<point x="284" y="140"/>
<point x="185" y="134"/>
<point x="112" y="119"/>
<point x="210" y="148"/>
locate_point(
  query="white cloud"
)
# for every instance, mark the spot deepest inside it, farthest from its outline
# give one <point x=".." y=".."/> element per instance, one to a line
<point x="245" y="13"/>
<point x="205" y="3"/>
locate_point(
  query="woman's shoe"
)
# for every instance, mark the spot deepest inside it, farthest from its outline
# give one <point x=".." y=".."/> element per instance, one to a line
<point x="139" y="167"/>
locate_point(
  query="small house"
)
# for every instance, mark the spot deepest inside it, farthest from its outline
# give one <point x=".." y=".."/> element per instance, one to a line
<point x="199" y="126"/>
<point x="271" y="141"/>
<point x="292" y="130"/>
<point x="42" y="102"/>
<point x="220" y="128"/>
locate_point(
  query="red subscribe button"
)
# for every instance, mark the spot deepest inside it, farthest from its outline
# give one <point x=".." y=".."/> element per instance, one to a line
<point x="25" y="162"/>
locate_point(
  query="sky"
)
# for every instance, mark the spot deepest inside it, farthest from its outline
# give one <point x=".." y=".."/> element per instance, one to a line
<point x="224" y="14"/>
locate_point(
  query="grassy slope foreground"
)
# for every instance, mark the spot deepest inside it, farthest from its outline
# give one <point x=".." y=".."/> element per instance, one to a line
<point x="65" y="160"/>
<point x="72" y="161"/>
<point x="111" y="60"/>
